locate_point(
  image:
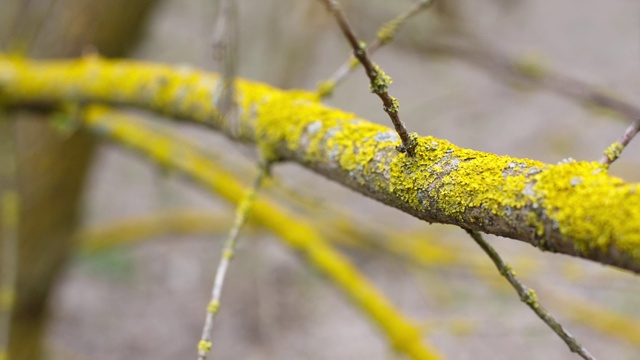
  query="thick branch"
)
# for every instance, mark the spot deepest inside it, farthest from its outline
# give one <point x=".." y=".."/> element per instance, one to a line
<point x="574" y="208"/>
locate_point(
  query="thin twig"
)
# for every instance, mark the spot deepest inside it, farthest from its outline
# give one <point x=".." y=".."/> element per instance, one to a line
<point x="242" y="212"/>
<point x="488" y="58"/>
<point x="529" y="297"/>
<point x="612" y="153"/>
<point x="379" y="80"/>
<point x="9" y="215"/>
<point x="225" y="54"/>
<point x="385" y="35"/>
<point x="479" y="52"/>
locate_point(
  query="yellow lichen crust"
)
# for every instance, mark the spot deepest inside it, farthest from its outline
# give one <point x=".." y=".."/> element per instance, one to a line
<point x="204" y="346"/>
<point x="453" y="180"/>
<point x="213" y="306"/>
<point x="596" y="210"/>
<point x="613" y="151"/>
<point x="574" y="208"/>
<point x="325" y="88"/>
<point x="380" y="83"/>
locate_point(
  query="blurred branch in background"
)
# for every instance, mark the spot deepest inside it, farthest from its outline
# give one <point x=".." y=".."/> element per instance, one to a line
<point x="51" y="168"/>
<point x="419" y="249"/>
<point x="9" y="219"/>
<point x="225" y="54"/>
<point x="384" y="36"/>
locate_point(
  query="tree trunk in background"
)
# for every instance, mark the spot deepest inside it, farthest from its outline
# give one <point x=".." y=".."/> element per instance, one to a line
<point x="52" y="166"/>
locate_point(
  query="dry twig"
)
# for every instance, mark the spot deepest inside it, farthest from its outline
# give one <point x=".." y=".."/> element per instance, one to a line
<point x="385" y="35"/>
<point x="242" y="212"/>
<point x="379" y="80"/>
<point x="225" y="53"/>
<point x="529" y="297"/>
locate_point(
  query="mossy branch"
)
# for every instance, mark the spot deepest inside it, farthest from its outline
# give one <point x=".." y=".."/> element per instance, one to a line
<point x="574" y="208"/>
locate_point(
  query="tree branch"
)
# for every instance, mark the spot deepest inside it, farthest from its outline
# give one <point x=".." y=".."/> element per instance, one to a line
<point x="574" y="208"/>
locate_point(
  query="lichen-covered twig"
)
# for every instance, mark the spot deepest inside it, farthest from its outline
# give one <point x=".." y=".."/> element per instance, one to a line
<point x="242" y="213"/>
<point x="572" y="208"/>
<point x="9" y="217"/>
<point x="612" y="153"/>
<point x="385" y="35"/>
<point x="294" y="231"/>
<point x="379" y="81"/>
<point x="529" y="297"/>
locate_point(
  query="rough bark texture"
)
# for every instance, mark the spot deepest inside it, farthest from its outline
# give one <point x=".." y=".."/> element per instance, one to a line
<point x="574" y="208"/>
<point x="52" y="166"/>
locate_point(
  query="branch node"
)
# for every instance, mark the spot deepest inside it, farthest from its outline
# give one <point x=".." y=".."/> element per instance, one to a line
<point x="410" y="146"/>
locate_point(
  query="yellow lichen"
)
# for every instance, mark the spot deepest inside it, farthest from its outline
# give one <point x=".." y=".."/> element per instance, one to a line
<point x="442" y="182"/>
<point x="613" y="151"/>
<point x="227" y="254"/>
<point x="353" y="62"/>
<point x="388" y="30"/>
<point x="534" y="220"/>
<point x="213" y="306"/>
<point x="204" y="346"/>
<point x="380" y="82"/>
<point x="325" y="88"/>
<point x="473" y="179"/>
<point x="596" y="211"/>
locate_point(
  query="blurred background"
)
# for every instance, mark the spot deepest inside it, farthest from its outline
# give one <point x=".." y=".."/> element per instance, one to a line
<point x="463" y="70"/>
